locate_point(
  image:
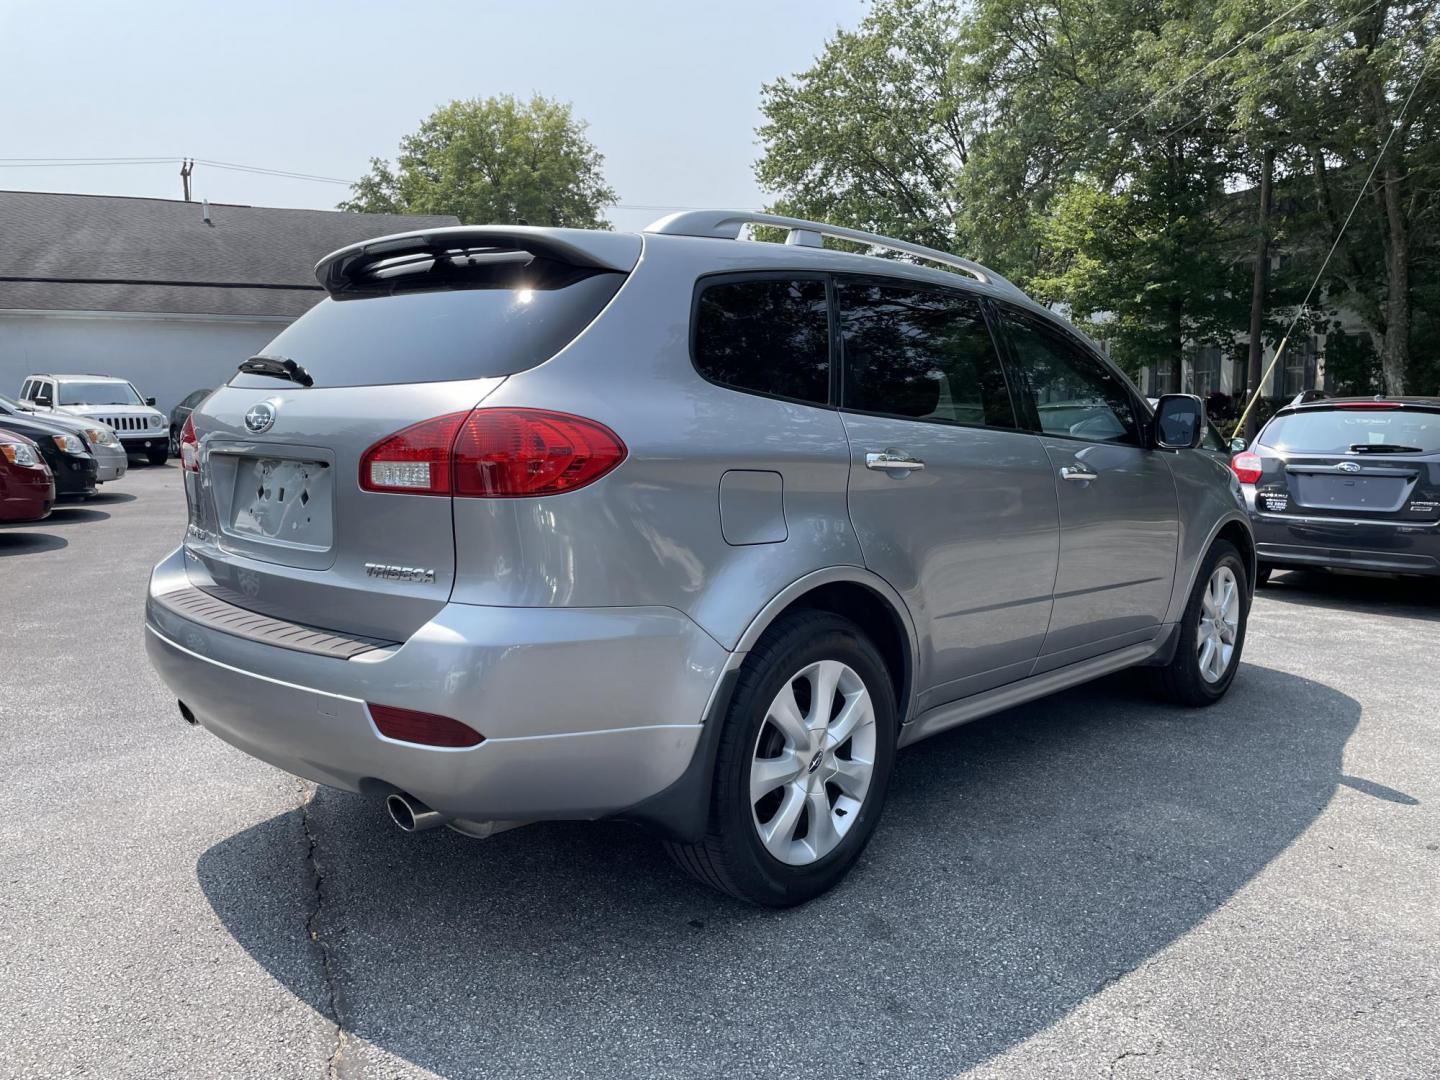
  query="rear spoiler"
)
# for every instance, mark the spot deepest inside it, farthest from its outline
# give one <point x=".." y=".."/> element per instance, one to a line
<point x="341" y="271"/>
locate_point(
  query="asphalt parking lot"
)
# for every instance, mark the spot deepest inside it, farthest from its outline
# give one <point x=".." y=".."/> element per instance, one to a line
<point x="1089" y="886"/>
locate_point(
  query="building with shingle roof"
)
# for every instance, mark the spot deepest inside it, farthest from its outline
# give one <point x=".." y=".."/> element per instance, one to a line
<point x="171" y="295"/>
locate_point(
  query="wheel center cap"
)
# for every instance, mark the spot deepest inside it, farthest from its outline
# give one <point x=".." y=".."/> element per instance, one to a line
<point x="815" y="761"/>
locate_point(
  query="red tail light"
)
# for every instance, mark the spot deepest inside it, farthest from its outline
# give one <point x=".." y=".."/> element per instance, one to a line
<point x="407" y="725"/>
<point x="415" y="460"/>
<point x="1369" y="405"/>
<point x="1247" y="467"/>
<point x="493" y="454"/>
<point x="189" y="447"/>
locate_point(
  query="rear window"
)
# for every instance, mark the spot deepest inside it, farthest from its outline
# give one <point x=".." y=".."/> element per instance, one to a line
<point x="1337" y="431"/>
<point x="766" y="336"/>
<point x="415" y="335"/>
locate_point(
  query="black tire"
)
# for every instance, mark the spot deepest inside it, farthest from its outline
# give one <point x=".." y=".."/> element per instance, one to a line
<point x="157" y="455"/>
<point x="731" y="857"/>
<point x="1181" y="681"/>
<point x="1262" y="574"/>
<point x="174" y="441"/>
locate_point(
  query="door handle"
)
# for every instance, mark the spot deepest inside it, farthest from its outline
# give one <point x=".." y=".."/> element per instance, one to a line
<point x="1078" y="472"/>
<point x="892" y="460"/>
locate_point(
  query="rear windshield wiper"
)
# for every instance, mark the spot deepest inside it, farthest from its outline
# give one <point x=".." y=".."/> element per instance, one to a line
<point x="277" y="367"/>
<point x="1384" y="448"/>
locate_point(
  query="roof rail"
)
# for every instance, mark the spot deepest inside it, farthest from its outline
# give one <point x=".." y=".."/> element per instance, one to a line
<point x="726" y="225"/>
<point x="1306" y="396"/>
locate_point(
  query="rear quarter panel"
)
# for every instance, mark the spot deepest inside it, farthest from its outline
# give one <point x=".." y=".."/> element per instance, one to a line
<point x="650" y="532"/>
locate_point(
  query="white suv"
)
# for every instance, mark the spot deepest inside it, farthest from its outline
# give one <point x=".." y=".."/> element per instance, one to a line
<point x="110" y="400"/>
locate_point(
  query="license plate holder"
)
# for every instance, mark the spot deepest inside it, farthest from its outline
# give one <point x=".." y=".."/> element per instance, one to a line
<point x="283" y="501"/>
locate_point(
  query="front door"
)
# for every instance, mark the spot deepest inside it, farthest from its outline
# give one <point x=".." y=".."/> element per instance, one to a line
<point x="1119" y="528"/>
<point x="953" y="505"/>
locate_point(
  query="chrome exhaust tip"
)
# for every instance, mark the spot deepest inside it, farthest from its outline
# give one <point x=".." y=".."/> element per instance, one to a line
<point x="412" y="815"/>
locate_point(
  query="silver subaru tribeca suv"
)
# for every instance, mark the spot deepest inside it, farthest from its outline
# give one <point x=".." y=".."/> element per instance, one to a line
<point x="681" y="529"/>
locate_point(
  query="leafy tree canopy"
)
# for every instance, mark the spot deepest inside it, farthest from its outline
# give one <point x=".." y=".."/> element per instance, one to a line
<point x="496" y="160"/>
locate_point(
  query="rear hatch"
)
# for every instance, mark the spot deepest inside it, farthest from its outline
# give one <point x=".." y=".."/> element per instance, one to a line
<point x="415" y="327"/>
<point x="1364" y="460"/>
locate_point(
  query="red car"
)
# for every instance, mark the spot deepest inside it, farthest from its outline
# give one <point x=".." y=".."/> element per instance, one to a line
<point x="27" y="487"/>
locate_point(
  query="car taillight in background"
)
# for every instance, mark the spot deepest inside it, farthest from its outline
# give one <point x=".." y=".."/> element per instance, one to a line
<point x="189" y="447"/>
<point x="1247" y="467"/>
<point x="492" y="454"/>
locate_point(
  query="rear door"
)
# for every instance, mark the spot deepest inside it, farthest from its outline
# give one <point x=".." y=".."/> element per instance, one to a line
<point x="284" y="520"/>
<point x="953" y="505"/>
<point x="1360" y="461"/>
<point x="1119" y="529"/>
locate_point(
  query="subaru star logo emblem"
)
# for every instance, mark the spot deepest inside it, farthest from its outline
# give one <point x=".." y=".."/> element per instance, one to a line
<point x="1348" y="466"/>
<point x="260" y="417"/>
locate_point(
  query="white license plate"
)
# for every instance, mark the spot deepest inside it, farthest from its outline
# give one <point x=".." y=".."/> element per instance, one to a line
<point x="283" y="500"/>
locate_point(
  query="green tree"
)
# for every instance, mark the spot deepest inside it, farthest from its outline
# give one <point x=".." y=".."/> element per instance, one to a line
<point x="874" y="134"/>
<point x="493" y="160"/>
<point x="1108" y="155"/>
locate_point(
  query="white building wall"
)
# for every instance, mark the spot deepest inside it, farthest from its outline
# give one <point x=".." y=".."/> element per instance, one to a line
<point x="165" y="356"/>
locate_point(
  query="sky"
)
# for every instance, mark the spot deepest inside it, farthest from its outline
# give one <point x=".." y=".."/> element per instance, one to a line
<point x="671" y="91"/>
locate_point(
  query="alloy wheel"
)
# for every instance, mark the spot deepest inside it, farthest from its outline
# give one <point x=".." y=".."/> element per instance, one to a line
<point x="1219" y="624"/>
<point x="813" y="761"/>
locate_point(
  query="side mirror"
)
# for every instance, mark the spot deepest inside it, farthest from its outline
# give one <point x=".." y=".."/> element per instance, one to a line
<point x="1237" y="444"/>
<point x="1179" y="422"/>
<point x="150" y="401"/>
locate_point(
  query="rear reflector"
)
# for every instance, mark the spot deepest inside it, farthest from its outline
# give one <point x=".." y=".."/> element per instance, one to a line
<point x="427" y="729"/>
<point x="492" y="454"/>
<point x="1247" y="467"/>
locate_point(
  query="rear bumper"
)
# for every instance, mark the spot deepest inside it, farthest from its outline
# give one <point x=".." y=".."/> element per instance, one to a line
<point x="584" y="712"/>
<point x="1347" y="544"/>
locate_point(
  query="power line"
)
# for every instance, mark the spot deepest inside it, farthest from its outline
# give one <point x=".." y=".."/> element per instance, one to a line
<point x="1300" y="312"/>
<point x="1228" y="52"/>
<point x="1334" y="29"/>
<point x="258" y="170"/>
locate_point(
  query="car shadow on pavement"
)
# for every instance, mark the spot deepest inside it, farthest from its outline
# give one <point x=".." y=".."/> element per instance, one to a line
<point x="1414" y="597"/>
<point x="102" y="498"/>
<point x="1024" y="862"/>
<point x="13" y="541"/>
<point x="71" y="514"/>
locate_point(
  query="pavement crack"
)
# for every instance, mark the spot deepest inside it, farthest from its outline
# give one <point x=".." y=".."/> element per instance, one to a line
<point x="1115" y="1062"/>
<point x="334" y="1010"/>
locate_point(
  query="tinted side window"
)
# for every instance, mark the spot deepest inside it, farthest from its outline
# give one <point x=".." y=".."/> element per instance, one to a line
<point x="25" y="390"/>
<point x="921" y="353"/>
<point x="768" y="336"/>
<point x="1071" y="392"/>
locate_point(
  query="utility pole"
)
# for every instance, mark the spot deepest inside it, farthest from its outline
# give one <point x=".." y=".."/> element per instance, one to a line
<point x="1257" y="294"/>
<point x="187" y="166"/>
